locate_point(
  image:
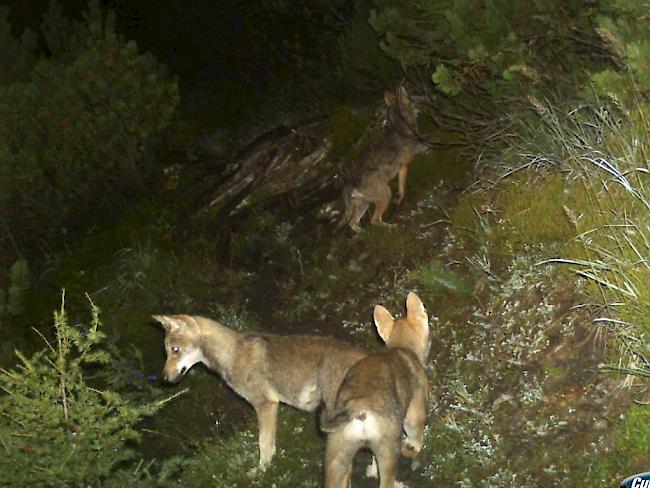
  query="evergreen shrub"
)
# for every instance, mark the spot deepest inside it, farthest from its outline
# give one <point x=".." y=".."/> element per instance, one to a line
<point x="58" y="430"/>
<point x="75" y="131"/>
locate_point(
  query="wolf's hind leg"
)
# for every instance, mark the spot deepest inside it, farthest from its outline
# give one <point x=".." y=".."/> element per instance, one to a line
<point x="339" y="453"/>
<point x="371" y="470"/>
<point x="359" y="208"/>
<point x="388" y="460"/>
<point x="381" y="204"/>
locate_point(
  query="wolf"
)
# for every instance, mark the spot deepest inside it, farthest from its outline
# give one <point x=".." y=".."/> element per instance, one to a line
<point x="265" y="369"/>
<point x="382" y="397"/>
<point x="388" y="158"/>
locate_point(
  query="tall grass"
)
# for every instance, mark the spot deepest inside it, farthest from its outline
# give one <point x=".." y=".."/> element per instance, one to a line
<point x="603" y="154"/>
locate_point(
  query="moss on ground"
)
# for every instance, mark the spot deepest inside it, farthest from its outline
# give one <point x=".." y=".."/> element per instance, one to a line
<point x="626" y="449"/>
<point x="439" y="280"/>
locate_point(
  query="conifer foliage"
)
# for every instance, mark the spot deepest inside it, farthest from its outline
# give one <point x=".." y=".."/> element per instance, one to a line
<point x="56" y="429"/>
<point x="76" y="124"/>
<point x="624" y="30"/>
<point x="498" y="47"/>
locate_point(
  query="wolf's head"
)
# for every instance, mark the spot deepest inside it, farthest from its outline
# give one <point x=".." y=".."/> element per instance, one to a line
<point x="410" y="332"/>
<point x="183" y="339"/>
<point x="401" y="112"/>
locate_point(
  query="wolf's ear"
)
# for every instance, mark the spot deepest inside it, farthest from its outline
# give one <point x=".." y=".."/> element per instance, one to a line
<point x="384" y="322"/>
<point x="415" y="309"/>
<point x="403" y="96"/>
<point x="389" y="98"/>
<point x="167" y="322"/>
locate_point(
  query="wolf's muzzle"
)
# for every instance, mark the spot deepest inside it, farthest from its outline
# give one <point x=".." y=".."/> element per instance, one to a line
<point x="174" y="377"/>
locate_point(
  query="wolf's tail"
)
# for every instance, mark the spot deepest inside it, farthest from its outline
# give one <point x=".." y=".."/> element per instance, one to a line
<point x="334" y="420"/>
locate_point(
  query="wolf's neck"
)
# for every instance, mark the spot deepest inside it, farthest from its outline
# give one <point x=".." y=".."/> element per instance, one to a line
<point x="218" y="346"/>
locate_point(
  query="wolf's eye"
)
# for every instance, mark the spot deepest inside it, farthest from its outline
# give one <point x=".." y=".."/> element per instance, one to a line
<point x="175" y="349"/>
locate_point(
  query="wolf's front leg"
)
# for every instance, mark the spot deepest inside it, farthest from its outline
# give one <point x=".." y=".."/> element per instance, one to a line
<point x="401" y="192"/>
<point x="414" y="425"/>
<point x="267" y="419"/>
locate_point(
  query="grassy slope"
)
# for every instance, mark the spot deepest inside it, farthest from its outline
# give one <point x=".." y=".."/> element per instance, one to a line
<point x="516" y="396"/>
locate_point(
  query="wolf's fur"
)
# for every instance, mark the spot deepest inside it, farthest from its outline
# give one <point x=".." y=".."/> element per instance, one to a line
<point x="381" y="397"/>
<point x="383" y="161"/>
<point x="303" y="371"/>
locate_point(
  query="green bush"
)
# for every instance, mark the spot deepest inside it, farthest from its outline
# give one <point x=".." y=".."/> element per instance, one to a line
<point x="56" y="429"/>
<point x="628" y="43"/>
<point x="74" y="132"/>
<point x="462" y="44"/>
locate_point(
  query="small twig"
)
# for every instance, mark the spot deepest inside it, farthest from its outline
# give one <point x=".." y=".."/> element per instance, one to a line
<point x="65" y="400"/>
<point x="43" y="337"/>
<point x="61" y="340"/>
<point x="435" y="222"/>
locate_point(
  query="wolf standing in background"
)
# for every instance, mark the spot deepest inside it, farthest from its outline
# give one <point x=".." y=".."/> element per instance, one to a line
<point x="388" y="158"/>
<point x="381" y="397"/>
<point x="303" y="371"/>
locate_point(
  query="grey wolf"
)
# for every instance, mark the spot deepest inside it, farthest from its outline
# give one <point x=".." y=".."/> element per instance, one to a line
<point x="265" y="369"/>
<point x="388" y="158"/>
<point x="382" y="397"/>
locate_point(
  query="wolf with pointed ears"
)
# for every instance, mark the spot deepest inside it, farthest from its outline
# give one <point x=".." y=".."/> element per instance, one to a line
<point x="382" y="397"/>
<point x="382" y="161"/>
<point x="265" y="369"/>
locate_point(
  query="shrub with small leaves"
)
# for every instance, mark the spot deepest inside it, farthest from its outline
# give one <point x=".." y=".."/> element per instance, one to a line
<point x="628" y="44"/>
<point x="56" y="429"/>
<point x="76" y="128"/>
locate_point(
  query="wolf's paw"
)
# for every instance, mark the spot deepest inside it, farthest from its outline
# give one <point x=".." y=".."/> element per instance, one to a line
<point x="409" y="450"/>
<point x="371" y="470"/>
<point x="399" y="484"/>
<point x="381" y="223"/>
<point x="255" y="472"/>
